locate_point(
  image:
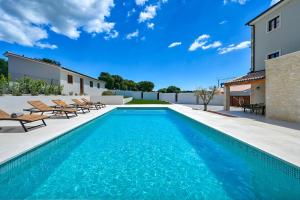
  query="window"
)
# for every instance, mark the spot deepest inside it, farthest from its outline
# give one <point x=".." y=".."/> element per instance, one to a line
<point x="274" y="23"/>
<point x="70" y="79"/>
<point x="91" y="84"/>
<point x="274" y="55"/>
<point x="98" y="85"/>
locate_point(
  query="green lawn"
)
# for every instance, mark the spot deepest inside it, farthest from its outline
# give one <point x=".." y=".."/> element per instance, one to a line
<point x="141" y="101"/>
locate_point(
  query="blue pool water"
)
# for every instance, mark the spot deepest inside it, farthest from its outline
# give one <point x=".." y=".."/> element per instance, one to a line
<point x="147" y="154"/>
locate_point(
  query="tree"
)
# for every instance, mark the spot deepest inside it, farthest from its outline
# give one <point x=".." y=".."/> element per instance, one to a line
<point x="3" y="67"/>
<point x="145" y="86"/>
<point x="50" y="61"/>
<point x="129" y="85"/>
<point x="206" y="95"/>
<point x="162" y="90"/>
<point x="104" y="76"/>
<point x="118" y="82"/>
<point x="173" y="89"/>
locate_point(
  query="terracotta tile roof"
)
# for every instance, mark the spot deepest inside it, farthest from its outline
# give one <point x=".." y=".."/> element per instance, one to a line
<point x="249" y="77"/>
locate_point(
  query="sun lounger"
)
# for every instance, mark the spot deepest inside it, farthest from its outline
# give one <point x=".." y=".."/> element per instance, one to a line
<point x="63" y="104"/>
<point x="97" y="105"/>
<point x="78" y="103"/>
<point x="41" y="107"/>
<point x="23" y="119"/>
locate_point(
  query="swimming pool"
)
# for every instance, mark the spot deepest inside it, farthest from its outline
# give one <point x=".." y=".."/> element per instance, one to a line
<point x="144" y="153"/>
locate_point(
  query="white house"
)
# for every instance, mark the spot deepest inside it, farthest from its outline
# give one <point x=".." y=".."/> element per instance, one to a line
<point x="72" y="82"/>
<point x="275" y="61"/>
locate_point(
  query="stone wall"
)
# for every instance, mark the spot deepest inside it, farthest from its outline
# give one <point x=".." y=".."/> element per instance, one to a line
<point x="283" y="87"/>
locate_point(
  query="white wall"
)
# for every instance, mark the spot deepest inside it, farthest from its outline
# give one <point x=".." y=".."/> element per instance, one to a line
<point x="258" y="93"/>
<point x="19" y="67"/>
<point x="109" y="100"/>
<point x="218" y="100"/>
<point x="169" y="97"/>
<point x="134" y="94"/>
<point x="187" y="98"/>
<point x="190" y="98"/>
<point x="127" y="100"/>
<point x="150" y="95"/>
<point x="18" y="103"/>
<point x="75" y="86"/>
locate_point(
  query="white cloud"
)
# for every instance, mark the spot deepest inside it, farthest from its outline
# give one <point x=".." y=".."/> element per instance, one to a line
<point x="150" y="25"/>
<point x="111" y="35"/>
<point x="46" y="45"/>
<point x="148" y="14"/>
<point x="201" y="42"/>
<point x="233" y="47"/>
<point x="25" y="22"/>
<point x="140" y="2"/>
<point x="274" y="2"/>
<point x="242" y="2"/>
<point x="134" y="34"/>
<point x="174" y="44"/>
<point x="223" y="22"/>
<point x="213" y="45"/>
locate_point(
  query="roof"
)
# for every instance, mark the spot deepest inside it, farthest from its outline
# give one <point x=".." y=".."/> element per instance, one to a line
<point x="252" y="76"/>
<point x="267" y="11"/>
<point x="56" y="66"/>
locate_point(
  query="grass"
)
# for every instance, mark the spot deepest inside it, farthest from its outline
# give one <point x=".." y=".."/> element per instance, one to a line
<point x="141" y="101"/>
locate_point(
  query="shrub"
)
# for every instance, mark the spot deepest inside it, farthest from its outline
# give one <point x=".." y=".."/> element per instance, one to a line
<point x="37" y="87"/>
<point x="24" y="84"/>
<point x="58" y="89"/>
<point x="16" y="90"/>
<point x="108" y="93"/>
<point x="3" y="84"/>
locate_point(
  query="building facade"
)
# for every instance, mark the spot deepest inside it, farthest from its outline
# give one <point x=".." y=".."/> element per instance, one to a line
<point x="275" y="32"/>
<point x="73" y="82"/>
<point x="275" y="37"/>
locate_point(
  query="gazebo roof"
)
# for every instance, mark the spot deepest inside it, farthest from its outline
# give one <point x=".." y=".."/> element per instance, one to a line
<point x="248" y="78"/>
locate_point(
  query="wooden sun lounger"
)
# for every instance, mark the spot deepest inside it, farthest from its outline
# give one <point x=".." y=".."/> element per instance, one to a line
<point x="41" y="107"/>
<point x="78" y="103"/>
<point x="63" y="104"/>
<point x="24" y="119"/>
<point x="97" y="105"/>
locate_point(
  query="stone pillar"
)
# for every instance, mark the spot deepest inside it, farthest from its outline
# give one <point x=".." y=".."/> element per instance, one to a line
<point x="226" y="97"/>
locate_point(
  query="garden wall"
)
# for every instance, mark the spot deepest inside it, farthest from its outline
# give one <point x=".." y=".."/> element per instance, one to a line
<point x="187" y="98"/>
<point x="109" y="100"/>
<point x="18" y="103"/>
<point x="169" y="97"/>
<point x="283" y="87"/>
<point x="150" y="95"/>
<point x="134" y="94"/>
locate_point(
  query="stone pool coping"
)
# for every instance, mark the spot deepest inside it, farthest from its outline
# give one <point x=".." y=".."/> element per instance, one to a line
<point x="279" y="141"/>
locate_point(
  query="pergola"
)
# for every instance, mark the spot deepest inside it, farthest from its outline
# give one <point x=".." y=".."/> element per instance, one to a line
<point x="250" y="78"/>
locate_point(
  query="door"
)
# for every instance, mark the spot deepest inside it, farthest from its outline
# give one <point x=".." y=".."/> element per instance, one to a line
<point x="81" y="86"/>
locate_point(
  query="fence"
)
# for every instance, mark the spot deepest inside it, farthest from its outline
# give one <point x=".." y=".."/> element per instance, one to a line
<point x="181" y="98"/>
<point x="134" y="94"/>
<point x="169" y="97"/>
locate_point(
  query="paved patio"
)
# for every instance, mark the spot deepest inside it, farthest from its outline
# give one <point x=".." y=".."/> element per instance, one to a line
<point x="280" y="139"/>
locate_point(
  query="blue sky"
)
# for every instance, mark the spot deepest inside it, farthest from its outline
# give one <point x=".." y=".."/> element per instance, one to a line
<point x="187" y="43"/>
